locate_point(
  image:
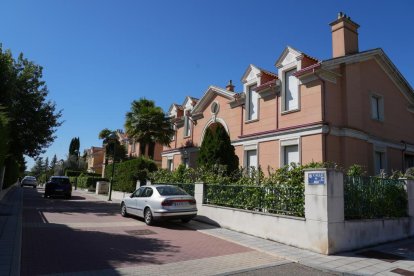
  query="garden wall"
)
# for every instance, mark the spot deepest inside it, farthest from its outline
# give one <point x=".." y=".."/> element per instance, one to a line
<point x="324" y="228"/>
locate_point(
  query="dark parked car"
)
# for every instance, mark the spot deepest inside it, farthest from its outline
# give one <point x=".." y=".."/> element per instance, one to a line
<point x="58" y="185"/>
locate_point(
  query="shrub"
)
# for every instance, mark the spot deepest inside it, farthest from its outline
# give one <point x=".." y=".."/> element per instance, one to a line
<point x="409" y="173"/>
<point x="128" y="172"/>
<point x="89" y="182"/>
<point x="72" y="173"/>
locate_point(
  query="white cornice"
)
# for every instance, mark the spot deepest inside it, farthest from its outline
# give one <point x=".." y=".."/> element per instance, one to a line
<point x="209" y="94"/>
<point x="383" y="61"/>
<point x="282" y="135"/>
<point x="357" y="134"/>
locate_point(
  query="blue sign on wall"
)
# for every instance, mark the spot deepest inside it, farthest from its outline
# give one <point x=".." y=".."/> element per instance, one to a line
<point x="316" y="178"/>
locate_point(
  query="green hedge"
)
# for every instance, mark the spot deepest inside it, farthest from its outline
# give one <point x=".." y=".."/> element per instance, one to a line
<point x="128" y="172"/>
<point x="72" y="173"/>
<point x="88" y="182"/>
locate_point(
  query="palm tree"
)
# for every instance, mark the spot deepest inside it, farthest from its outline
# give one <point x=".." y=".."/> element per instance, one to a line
<point x="148" y="125"/>
<point x="110" y="140"/>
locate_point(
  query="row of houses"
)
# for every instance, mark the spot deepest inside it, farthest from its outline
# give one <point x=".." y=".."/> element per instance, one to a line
<point x="353" y="108"/>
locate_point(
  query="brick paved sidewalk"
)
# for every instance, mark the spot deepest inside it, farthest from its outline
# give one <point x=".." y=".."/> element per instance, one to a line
<point x="379" y="260"/>
<point x="10" y="230"/>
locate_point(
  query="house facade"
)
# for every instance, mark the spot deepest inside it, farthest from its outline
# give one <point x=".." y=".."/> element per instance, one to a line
<point x="354" y="108"/>
<point x="95" y="159"/>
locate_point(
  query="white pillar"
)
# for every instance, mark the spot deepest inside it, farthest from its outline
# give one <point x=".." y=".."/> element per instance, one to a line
<point x="138" y="184"/>
<point x="198" y="194"/>
<point x="410" y="195"/>
<point x="324" y="206"/>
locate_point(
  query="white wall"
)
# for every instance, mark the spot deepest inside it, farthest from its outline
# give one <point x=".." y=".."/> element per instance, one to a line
<point x="323" y="230"/>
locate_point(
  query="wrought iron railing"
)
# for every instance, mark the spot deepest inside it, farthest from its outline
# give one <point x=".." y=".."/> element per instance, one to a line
<point x="372" y="197"/>
<point x="279" y="199"/>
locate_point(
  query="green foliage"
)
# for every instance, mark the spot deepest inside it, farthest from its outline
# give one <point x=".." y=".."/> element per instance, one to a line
<point x="74" y="146"/>
<point x="73" y="180"/>
<point x="373" y="197"/>
<point x="12" y="172"/>
<point x="38" y="167"/>
<point x="112" y="144"/>
<point x="72" y="173"/>
<point x="4" y="136"/>
<point x="356" y="170"/>
<point x="23" y="93"/>
<point x="148" y="125"/>
<point x="128" y="172"/>
<point x="88" y="182"/>
<point x="409" y="173"/>
<point x="216" y="149"/>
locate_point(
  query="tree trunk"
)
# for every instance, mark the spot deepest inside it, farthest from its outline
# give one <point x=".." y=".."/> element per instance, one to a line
<point x="2" y="170"/>
<point x="151" y="150"/>
<point x="142" y="147"/>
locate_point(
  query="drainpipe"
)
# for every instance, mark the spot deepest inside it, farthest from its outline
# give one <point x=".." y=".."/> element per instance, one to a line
<point x="277" y="112"/>
<point x="241" y="120"/>
<point x="323" y="106"/>
<point x="403" y="155"/>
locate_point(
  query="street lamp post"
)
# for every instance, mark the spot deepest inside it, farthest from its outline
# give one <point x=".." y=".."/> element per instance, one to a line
<point x="113" y="168"/>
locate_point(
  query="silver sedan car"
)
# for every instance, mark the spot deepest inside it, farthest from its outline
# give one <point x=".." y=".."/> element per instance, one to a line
<point x="159" y="202"/>
<point x="29" y="181"/>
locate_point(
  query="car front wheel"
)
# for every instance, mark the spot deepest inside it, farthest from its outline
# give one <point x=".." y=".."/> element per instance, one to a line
<point x="149" y="220"/>
<point x="124" y="212"/>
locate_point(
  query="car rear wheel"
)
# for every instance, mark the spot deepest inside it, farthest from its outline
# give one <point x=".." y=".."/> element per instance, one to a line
<point x="185" y="220"/>
<point x="124" y="212"/>
<point x="149" y="220"/>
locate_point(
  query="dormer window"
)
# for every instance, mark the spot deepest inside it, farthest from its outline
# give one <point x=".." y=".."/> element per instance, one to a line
<point x="291" y="93"/>
<point x="252" y="103"/>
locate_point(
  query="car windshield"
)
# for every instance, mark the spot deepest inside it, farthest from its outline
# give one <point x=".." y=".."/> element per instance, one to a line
<point x="170" y="190"/>
<point x="60" y="180"/>
<point x="30" y="177"/>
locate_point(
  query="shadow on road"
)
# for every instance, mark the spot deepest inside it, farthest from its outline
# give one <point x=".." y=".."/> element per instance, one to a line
<point x="73" y="250"/>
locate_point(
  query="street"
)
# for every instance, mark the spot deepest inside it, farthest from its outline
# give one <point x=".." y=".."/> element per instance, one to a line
<point x="87" y="235"/>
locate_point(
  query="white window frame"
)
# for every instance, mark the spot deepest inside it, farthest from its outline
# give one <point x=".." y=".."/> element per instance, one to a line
<point x="173" y="136"/>
<point x="289" y="142"/>
<point x="187" y="126"/>
<point x="382" y="150"/>
<point x="379" y="114"/>
<point x="249" y="115"/>
<point x="251" y="147"/>
<point x="283" y="80"/>
<point x="183" y="161"/>
<point x="170" y="164"/>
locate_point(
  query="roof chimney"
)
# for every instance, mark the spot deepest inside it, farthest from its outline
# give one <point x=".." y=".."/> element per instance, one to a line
<point x="344" y="36"/>
<point x="230" y="86"/>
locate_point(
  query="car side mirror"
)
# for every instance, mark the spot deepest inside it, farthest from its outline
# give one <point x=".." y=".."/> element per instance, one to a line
<point x="131" y="196"/>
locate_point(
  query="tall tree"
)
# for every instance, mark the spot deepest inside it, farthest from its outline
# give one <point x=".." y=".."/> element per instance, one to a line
<point x="148" y="125"/>
<point x="23" y="93"/>
<point x="53" y="163"/>
<point x="216" y="148"/>
<point x="38" y="167"/>
<point x="111" y="143"/>
<point x="4" y="137"/>
<point x="74" y="146"/>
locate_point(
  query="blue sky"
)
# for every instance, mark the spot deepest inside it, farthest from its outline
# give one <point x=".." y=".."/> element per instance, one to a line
<point x="100" y="55"/>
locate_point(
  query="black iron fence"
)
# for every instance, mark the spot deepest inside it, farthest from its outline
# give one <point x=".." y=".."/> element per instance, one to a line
<point x="372" y="197"/>
<point x="279" y="199"/>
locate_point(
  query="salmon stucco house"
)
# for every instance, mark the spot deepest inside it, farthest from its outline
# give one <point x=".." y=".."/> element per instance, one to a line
<point x="355" y="108"/>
